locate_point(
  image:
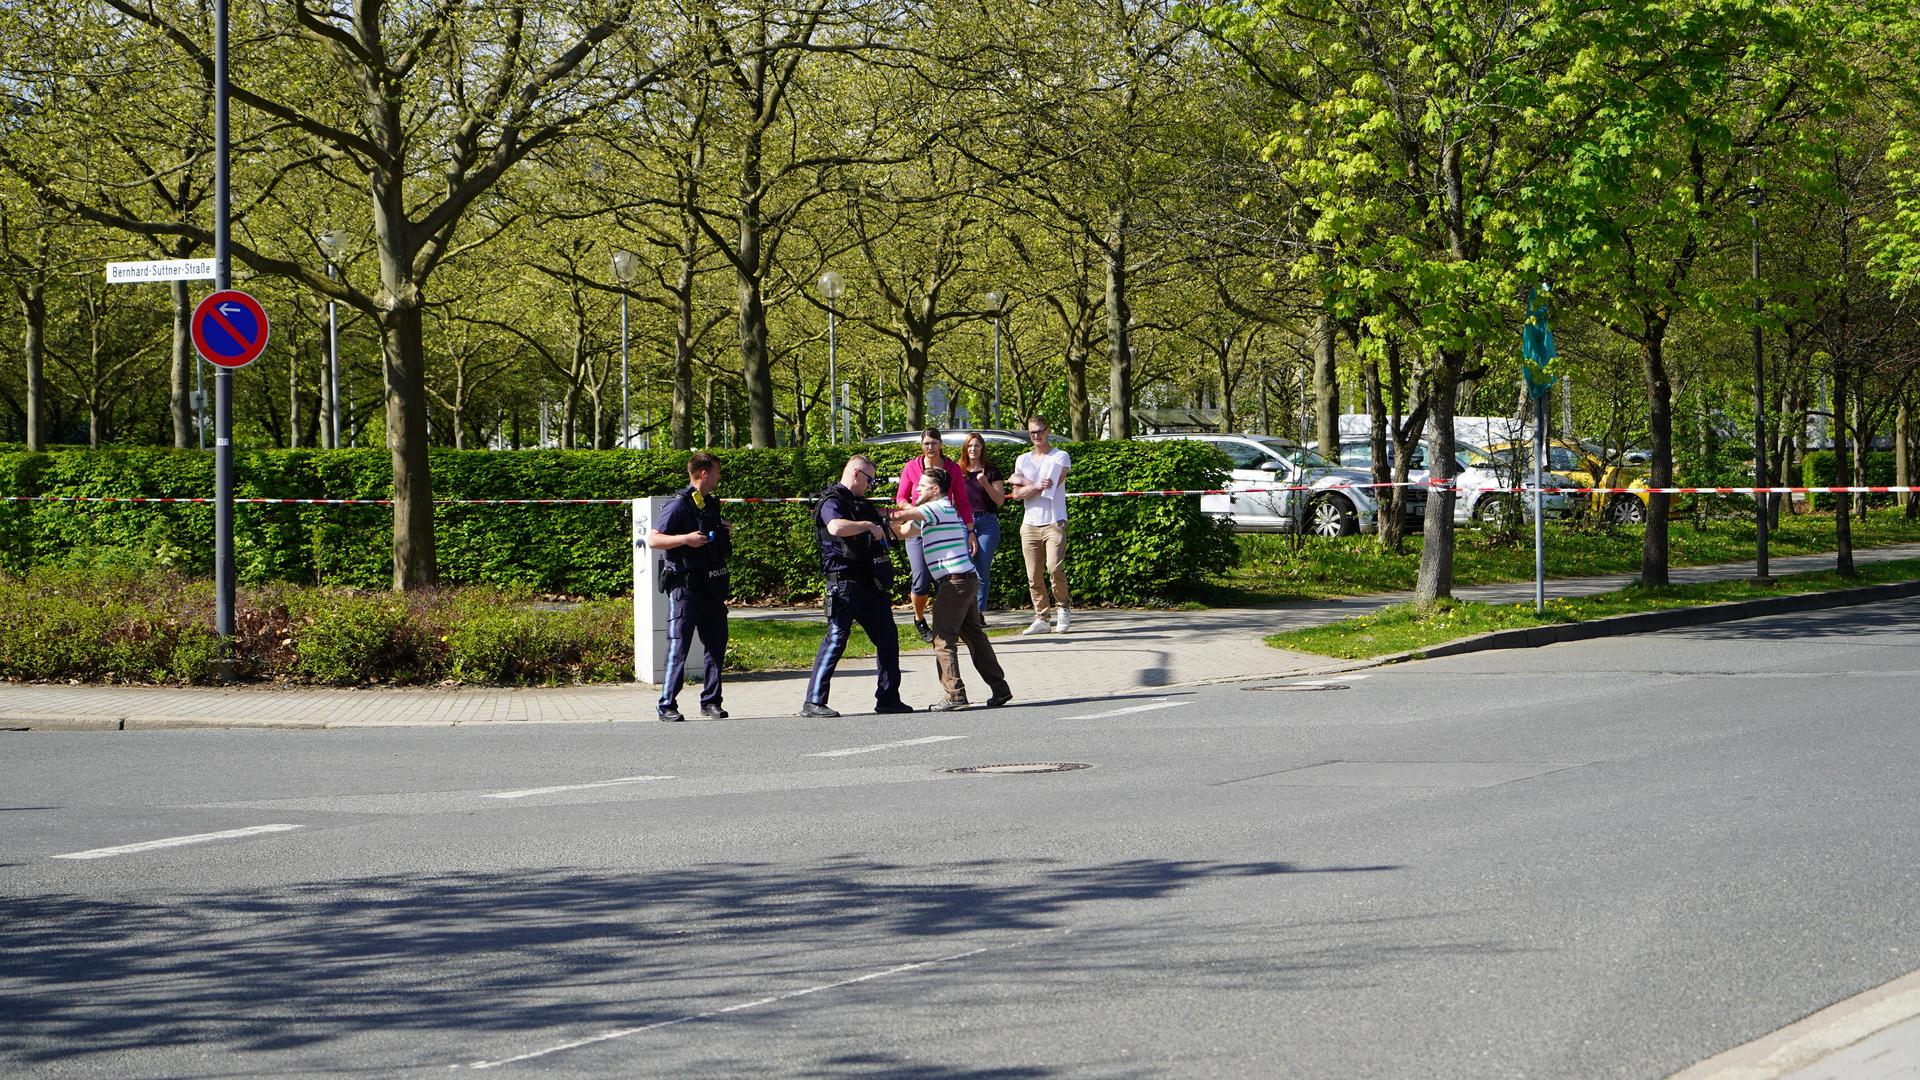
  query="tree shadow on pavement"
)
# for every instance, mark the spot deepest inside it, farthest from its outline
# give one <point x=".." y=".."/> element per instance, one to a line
<point x="455" y="957"/>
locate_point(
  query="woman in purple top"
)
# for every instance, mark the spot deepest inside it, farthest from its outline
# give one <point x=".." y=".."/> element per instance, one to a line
<point x="933" y="455"/>
<point x="984" y="488"/>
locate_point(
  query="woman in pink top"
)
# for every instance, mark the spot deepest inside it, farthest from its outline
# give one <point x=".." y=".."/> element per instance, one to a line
<point x="933" y="455"/>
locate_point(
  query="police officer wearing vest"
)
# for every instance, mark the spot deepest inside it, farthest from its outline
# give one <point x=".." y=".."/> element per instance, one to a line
<point x="854" y="553"/>
<point x="697" y="542"/>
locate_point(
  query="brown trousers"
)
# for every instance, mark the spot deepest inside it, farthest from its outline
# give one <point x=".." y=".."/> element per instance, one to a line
<point x="956" y="618"/>
<point x="1045" y="549"/>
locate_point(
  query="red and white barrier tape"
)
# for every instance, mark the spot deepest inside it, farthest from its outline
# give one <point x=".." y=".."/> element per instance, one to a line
<point x="1876" y="489"/>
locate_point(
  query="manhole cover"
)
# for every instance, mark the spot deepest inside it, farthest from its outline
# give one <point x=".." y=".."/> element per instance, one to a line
<point x="1021" y="767"/>
<point x="1304" y="687"/>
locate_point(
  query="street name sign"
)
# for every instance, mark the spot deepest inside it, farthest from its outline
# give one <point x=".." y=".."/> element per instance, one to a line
<point x="134" y="273"/>
<point x="230" y="328"/>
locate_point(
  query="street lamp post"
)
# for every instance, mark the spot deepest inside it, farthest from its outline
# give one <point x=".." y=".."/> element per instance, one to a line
<point x="625" y="264"/>
<point x="332" y="243"/>
<point x="832" y="286"/>
<point x="1762" y="503"/>
<point x="996" y="300"/>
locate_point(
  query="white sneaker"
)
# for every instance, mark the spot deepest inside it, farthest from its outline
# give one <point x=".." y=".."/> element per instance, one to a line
<point x="1061" y="621"/>
<point x="1038" y="626"/>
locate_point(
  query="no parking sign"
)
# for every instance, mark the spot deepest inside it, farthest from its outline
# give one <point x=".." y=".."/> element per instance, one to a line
<point x="230" y="328"/>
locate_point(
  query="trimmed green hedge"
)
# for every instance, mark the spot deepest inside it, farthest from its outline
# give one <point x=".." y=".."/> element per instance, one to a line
<point x="1119" y="551"/>
<point x="1818" y="472"/>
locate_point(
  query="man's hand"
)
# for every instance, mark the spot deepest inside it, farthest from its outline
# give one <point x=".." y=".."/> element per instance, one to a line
<point x="878" y="530"/>
<point x="1046" y="484"/>
<point x="694" y="539"/>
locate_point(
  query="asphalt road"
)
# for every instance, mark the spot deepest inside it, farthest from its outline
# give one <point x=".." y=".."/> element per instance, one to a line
<point x="1611" y="858"/>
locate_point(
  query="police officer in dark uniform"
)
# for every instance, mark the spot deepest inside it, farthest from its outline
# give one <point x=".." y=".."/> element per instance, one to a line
<point x="697" y="542"/>
<point x="854" y="554"/>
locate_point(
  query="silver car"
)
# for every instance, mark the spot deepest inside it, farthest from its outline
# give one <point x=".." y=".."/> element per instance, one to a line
<point x="1483" y="483"/>
<point x="1331" y="500"/>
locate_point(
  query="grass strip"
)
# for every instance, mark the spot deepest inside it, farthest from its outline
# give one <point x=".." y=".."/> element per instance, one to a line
<point x="1406" y="628"/>
<point x="1278" y="568"/>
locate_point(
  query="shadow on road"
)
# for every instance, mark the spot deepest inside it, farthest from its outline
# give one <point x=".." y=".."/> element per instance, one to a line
<point x="1885" y="618"/>
<point x="463" y="956"/>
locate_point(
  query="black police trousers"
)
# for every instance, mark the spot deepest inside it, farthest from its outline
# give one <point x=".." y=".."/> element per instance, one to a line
<point x="850" y="602"/>
<point x="690" y="612"/>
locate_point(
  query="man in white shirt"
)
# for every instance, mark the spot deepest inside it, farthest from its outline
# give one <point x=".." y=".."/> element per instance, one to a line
<point x="1040" y="483"/>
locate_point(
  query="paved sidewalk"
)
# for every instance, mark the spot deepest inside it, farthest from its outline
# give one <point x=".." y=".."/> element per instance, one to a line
<point x="1107" y="654"/>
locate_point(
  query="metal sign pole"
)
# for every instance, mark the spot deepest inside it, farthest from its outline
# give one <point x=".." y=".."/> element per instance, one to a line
<point x="833" y="376"/>
<point x="1539" y="521"/>
<point x="222" y="378"/>
<point x="626" y="413"/>
<point x="333" y="364"/>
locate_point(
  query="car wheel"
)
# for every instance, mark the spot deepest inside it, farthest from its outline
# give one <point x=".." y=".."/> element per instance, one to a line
<point x="1626" y="510"/>
<point x="1331" y="515"/>
<point x="1498" y="512"/>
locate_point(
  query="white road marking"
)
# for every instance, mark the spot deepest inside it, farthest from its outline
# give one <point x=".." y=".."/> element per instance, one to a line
<point x="176" y="841"/>
<point x="1163" y="703"/>
<point x="887" y="746"/>
<point x="744" y="1005"/>
<point x="574" y="787"/>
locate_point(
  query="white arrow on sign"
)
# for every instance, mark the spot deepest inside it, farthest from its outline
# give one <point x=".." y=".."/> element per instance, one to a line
<point x="229" y="309"/>
<point x="134" y="273"/>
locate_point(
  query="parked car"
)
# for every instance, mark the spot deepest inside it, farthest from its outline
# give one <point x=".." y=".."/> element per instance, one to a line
<point x="1483" y="483"/>
<point x="949" y="437"/>
<point x="1338" y="501"/>
<point x="1584" y="464"/>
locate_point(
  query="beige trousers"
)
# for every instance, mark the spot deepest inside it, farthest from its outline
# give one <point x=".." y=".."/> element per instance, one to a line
<point x="1045" y="549"/>
<point x="956" y="618"/>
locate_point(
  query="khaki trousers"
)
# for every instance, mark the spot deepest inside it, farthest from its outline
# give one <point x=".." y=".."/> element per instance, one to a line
<point x="1045" y="549"/>
<point x="956" y="618"/>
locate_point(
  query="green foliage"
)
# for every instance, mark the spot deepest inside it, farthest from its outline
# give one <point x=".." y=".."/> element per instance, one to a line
<point x="1120" y="550"/>
<point x="1817" y="471"/>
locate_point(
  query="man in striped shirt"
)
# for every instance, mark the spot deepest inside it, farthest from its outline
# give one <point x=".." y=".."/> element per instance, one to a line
<point x="956" y="591"/>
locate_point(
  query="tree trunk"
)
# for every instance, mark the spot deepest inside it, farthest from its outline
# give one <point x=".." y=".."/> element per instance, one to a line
<point x="1435" y="580"/>
<point x="1901" y="474"/>
<point x="1079" y="412"/>
<point x="682" y="433"/>
<point x="406" y="391"/>
<point x="33" y="314"/>
<point x="1119" y="332"/>
<point x="1266" y="411"/>
<point x="1389" y="532"/>
<point x="1326" y="386"/>
<point x="180" y="380"/>
<point x="1862" y="443"/>
<point x="913" y="385"/>
<point x="756" y="369"/>
<point x="293" y="398"/>
<point x="1653" y="548"/>
<point x="1903" y="455"/>
<point x="1842" y="468"/>
<point x="1227" y="418"/>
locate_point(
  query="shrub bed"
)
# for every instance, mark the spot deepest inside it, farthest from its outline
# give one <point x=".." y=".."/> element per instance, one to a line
<point x="125" y="626"/>
<point x="1120" y="550"/>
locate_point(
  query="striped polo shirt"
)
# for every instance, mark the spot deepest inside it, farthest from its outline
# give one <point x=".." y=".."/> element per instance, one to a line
<point x="945" y="540"/>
